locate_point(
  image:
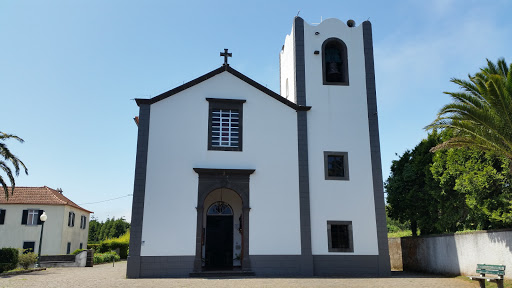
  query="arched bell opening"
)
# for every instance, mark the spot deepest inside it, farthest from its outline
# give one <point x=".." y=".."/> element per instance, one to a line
<point x="222" y="231"/>
<point x="334" y="62"/>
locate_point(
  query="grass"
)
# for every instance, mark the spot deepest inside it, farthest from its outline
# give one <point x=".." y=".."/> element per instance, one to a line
<point x="399" y="234"/>
<point x="19" y="269"/>
<point x="406" y="233"/>
<point x="507" y="283"/>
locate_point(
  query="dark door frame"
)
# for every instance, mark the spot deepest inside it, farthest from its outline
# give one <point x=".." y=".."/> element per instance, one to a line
<point x="212" y="179"/>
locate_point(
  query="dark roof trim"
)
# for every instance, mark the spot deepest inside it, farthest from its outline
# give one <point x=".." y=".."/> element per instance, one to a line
<point x="224" y="171"/>
<point x="222" y="100"/>
<point x="214" y="73"/>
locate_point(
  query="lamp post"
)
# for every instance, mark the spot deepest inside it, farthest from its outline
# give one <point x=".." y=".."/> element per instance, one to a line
<point x="43" y="218"/>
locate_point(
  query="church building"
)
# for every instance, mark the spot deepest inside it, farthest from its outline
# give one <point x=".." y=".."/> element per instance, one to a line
<point x="232" y="178"/>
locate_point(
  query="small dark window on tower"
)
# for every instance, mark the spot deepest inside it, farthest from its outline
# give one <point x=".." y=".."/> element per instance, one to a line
<point x="335" y="62"/>
<point x="336" y="165"/>
<point x="339" y="235"/>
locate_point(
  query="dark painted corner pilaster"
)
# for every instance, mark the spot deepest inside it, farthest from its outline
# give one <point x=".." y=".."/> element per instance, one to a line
<point x="306" y="259"/>
<point x="139" y="190"/>
<point x="300" y="66"/>
<point x="380" y="212"/>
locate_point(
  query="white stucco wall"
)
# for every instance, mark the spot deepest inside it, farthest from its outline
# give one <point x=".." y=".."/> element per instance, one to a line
<point x="74" y="235"/>
<point x="338" y="121"/>
<point x="287" y="68"/>
<point x="178" y="135"/>
<point x="13" y="233"/>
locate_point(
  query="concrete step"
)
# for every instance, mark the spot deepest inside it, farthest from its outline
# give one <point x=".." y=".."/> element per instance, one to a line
<point x="221" y="273"/>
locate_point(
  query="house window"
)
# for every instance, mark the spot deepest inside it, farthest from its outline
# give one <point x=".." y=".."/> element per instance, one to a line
<point x="28" y="246"/>
<point x="81" y="245"/>
<point x="68" y="249"/>
<point x="2" y="216"/>
<point x="339" y="235"/>
<point x="31" y="217"/>
<point x="334" y="62"/>
<point x="225" y="124"/>
<point x="83" y="221"/>
<point x="336" y="165"/>
<point x="71" y="219"/>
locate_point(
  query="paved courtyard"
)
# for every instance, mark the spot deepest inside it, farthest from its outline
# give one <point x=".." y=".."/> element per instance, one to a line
<point x="107" y="276"/>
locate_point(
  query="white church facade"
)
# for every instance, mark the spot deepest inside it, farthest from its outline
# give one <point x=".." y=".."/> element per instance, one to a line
<point x="231" y="176"/>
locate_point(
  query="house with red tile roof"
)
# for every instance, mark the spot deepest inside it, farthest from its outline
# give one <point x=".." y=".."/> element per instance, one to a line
<point x="65" y="230"/>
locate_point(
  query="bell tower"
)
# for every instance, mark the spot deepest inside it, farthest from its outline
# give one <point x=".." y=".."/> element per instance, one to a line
<point x="330" y="68"/>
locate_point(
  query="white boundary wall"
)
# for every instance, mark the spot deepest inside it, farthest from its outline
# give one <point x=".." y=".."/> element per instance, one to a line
<point x="457" y="254"/>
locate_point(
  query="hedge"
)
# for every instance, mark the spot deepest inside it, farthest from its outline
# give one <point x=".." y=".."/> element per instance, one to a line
<point x="93" y="246"/>
<point x="105" y="257"/>
<point x="113" y="244"/>
<point x="9" y="258"/>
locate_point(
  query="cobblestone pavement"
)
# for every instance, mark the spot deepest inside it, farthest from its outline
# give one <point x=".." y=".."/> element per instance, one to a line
<point x="107" y="276"/>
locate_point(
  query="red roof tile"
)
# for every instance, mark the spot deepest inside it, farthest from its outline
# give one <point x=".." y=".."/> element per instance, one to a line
<point x="38" y="195"/>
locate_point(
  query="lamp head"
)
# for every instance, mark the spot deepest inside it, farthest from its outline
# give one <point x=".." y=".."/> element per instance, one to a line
<point x="43" y="216"/>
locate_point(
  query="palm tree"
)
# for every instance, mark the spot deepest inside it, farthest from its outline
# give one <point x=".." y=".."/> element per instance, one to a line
<point x="9" y="157"/>
<point x="481" y="114"/>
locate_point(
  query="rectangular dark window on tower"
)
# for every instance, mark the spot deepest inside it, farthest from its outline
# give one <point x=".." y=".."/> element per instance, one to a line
<point x="225" y="123"/>
<point x="339" y="235"/>
<point x="336" y="165"/>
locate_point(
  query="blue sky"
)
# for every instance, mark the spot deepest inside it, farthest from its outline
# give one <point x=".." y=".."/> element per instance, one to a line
<point x="70" y="69"/>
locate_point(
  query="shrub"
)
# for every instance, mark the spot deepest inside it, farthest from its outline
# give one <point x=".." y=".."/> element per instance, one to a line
<point x="114" y="244"/>
<point x="8" y="259"/>
<point x="77" y="251"/>
<point x="94" y="246"/>
<point x="27" y="259"/>
<point x="105" y="257"/>
<point x="122" y="243"/>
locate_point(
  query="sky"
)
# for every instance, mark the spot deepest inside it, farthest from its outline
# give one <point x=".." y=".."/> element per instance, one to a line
<point x="69" y="71"/>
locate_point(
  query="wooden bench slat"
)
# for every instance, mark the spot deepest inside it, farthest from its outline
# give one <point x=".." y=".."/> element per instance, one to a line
<point x="481" y="278"/>
<point x="495" y="272"/>
<point x="490" y="267"/>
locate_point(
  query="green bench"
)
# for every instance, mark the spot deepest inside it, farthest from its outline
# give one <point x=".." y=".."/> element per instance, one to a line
<point x="498" y="270"/>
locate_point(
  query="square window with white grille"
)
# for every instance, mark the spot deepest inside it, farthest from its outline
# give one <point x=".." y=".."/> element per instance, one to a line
<point x="225" y="127"/>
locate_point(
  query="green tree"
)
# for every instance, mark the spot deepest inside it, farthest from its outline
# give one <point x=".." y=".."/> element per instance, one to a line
<point x="94" y="228"/>
<point x="7" y="156"/>
<point x="411" y="188"/>
<point x="481" y="114"/>
<point x="111" y="228"/>
<point x="476" y="189"/>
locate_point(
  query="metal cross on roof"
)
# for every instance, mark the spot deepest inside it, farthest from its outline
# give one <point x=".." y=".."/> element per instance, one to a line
<point x="226" y="55"/>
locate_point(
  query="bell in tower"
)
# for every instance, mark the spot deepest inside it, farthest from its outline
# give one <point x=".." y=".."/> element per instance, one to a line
<point x="334" y="64"/>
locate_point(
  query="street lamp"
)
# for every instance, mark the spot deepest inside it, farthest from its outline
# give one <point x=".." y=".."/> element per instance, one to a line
<point x="43" y="218"/>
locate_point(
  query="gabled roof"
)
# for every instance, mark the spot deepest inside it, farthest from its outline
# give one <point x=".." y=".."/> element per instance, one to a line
<point x="221" y="69"/>
<point x="38" y="195"/>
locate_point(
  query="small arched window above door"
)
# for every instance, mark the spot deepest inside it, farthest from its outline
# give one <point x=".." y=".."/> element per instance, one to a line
<point x="334" y="62"/>
<point x="220" y="208"/>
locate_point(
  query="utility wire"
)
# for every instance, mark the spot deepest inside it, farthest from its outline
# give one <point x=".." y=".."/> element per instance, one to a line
<point x="106" y="200"/>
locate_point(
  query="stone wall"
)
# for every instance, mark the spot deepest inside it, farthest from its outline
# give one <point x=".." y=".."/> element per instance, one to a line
<point x="395" y="254"/>
<point x="452" y="254"/>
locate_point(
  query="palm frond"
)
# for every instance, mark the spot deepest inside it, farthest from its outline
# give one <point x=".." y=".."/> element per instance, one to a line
<point x="6" y="189"/>
<point x="6" y="157"/>
<point x="481" y="114"/>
